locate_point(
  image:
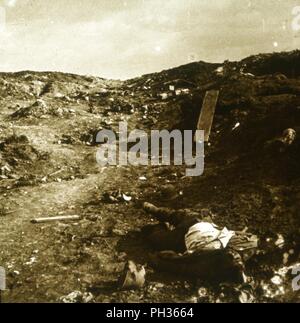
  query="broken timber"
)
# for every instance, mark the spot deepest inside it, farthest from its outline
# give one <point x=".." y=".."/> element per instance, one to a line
<point x="207" y="114"/>
<point x="2" y="282"/>
<point x="57" y="218"/>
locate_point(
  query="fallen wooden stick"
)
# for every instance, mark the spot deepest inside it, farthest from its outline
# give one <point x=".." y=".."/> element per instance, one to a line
<point x="57" y="172"/>
<point x="56" y="218"/>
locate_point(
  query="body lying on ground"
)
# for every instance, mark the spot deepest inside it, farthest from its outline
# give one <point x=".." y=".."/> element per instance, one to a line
<point x="187" y="245"/>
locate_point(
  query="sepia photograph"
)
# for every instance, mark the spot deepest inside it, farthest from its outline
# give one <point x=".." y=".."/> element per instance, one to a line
<point x="149" y="154"/>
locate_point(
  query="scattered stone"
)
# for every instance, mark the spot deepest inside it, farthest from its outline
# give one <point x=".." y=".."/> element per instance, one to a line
<point x="77" y="297"/>
<point x="276" y="280"/>
<point x="202" y="292"/>
<point x="116" y="197"/>
<point x="280" y="241"/>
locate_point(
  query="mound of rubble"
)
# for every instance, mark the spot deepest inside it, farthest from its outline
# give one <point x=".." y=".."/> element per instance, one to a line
<point x="40" y="109"/>
<point x="18" y="156"/>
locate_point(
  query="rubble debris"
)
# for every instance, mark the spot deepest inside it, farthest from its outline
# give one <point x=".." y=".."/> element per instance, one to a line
<point x="17" y="156"/>
<point x="276" y="280"/>
<point x="219" y="71"/>
<point x="15" y="273"/>
<point x="126" y="198"/>
<point x="202" y="292"/>
<point x="40" y="109"/>
<point x="237" y="125"/>
<point x="37" y="109"/>
<point x="116" y="197"/>
<point x="46" y="88"/>
<point x="5" y="170"/>
<point x="180" y="92"/>
<point x="133" y="276"/>
<point x="280" y="241"/>
<point x="77" y="297"/>
<point x="31" y="261"/>
<point x="237" y="293"/>
<point x="164" y="96"/>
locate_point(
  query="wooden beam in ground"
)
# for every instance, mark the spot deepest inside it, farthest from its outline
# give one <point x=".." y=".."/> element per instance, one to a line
<point x="207" y="114"/>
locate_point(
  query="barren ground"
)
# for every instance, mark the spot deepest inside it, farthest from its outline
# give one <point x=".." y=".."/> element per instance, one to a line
<point x="47" y="126"/>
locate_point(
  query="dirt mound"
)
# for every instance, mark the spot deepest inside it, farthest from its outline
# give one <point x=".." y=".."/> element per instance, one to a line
<point x="187" y="75"/>
<point x="40" y="109"/>
<point x="19" y="155"/>
<point x="287" y="63"/>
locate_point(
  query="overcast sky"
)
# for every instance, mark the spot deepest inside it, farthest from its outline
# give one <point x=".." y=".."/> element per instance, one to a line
<point x="123" y="39"/>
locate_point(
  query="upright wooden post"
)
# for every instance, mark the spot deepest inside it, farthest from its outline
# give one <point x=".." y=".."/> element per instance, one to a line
<point x="207" y="114"/>
<point x="2" y="282"/>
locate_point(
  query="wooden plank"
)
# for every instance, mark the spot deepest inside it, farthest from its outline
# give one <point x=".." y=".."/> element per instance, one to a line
<point x="57" y="218"/>
<point x="2" y="279"/>
<point x="207" y="114"/>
